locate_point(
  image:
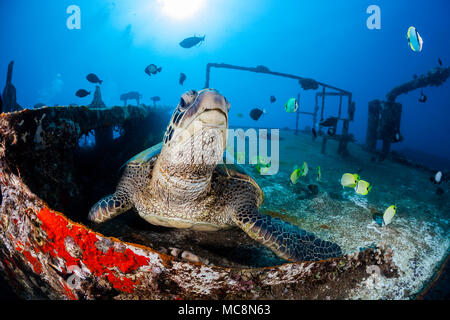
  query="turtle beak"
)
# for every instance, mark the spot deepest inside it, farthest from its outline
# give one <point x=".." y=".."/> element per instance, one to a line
<point x="215" y="109"/>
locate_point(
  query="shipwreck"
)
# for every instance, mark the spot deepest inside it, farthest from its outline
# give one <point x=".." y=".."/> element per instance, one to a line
<point x="48" y="250"/>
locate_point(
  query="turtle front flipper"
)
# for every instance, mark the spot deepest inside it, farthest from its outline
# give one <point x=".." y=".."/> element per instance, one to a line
<point x="109" y="207"/>
<point x="286" y="240"/>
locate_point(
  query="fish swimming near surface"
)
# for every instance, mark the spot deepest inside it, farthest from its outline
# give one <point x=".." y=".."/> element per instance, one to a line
<point x="191" y="42"/>
<point x="389" y="214"/>
<point x="152" y="69"/>
<point x="272" y="99"/>
<point x="256" y="113"/>
<point x="423" y="98"/>
<point x="440" y="61"/>
<point x="363" y="187"/>
<point x="240" y="115"/>
<point x="91" y="77"/>
<point x="414" y="39"/>
<point x="82" y="93"/>
<point x="291" y="106"/>
<point x="182" y="78"/>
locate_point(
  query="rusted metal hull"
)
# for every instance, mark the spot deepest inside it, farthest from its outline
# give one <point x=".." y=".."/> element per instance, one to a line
<point x="45" y="255"/>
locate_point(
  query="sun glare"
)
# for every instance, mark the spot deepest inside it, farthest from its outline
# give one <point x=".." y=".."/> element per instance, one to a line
<point x="181" y="9"/>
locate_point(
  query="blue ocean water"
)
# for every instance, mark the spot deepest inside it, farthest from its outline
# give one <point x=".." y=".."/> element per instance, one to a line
<point x="325" y="40"/>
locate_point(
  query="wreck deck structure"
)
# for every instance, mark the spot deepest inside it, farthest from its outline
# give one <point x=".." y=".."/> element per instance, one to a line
<point x="325" y="90"/>
<point x="384" y="117"/>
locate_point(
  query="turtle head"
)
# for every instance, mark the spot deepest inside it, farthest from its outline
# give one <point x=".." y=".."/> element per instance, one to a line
<point x="197" y="133"/>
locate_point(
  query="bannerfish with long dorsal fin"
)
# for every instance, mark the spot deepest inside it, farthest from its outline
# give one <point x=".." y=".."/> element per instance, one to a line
<point x="291" y="106"/>
<point x="414" y="39"/>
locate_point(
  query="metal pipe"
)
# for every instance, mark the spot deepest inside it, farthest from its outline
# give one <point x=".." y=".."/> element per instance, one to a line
<point x="323" y="104"/>
<point x="266" y="71"/>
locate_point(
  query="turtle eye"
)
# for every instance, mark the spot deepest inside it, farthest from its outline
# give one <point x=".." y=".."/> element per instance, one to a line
<point x="182" y="105"/>
<point x="186" y="100"/>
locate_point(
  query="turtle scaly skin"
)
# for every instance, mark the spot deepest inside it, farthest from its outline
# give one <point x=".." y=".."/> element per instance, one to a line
<point x="180" y="184"/>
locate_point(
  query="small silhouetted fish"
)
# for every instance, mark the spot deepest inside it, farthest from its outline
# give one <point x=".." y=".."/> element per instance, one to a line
<point x="423" y="98"/>
<point x="331" y="131"/>
<point x="240" y="115"/>
<point x="82" y="93"/>
<point x="191" y="41"/>
<point x="415" y="76"/>
<point x="330" y="122"/>
<point x="440" y="61"/>
<point x="182" y="78"/>
<point x="314" y="189"/>
<point x="272" y="99"/>
<point x="152" y="69"/>
<point x="398" y="137"/>
<point x="155" y="99"/>
<point x="439" y="191"/>
<point x="314" y="132"/>
<point x="93" y="78"/>
<point x="256" y="113"/>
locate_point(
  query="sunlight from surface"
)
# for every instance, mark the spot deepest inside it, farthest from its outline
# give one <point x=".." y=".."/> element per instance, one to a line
<point x="181" y="9"/>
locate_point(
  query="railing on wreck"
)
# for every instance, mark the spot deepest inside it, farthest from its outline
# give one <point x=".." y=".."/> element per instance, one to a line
<point x="307" y="84"/>
<point x="384" y="117"/>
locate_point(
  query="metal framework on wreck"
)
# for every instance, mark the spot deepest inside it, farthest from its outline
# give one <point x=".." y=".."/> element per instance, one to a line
<point x="343" y="138"/>
<point x="384" y="117"/>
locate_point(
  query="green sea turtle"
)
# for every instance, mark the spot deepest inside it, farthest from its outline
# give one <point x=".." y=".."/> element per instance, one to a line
<point x="182" y="183"/>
